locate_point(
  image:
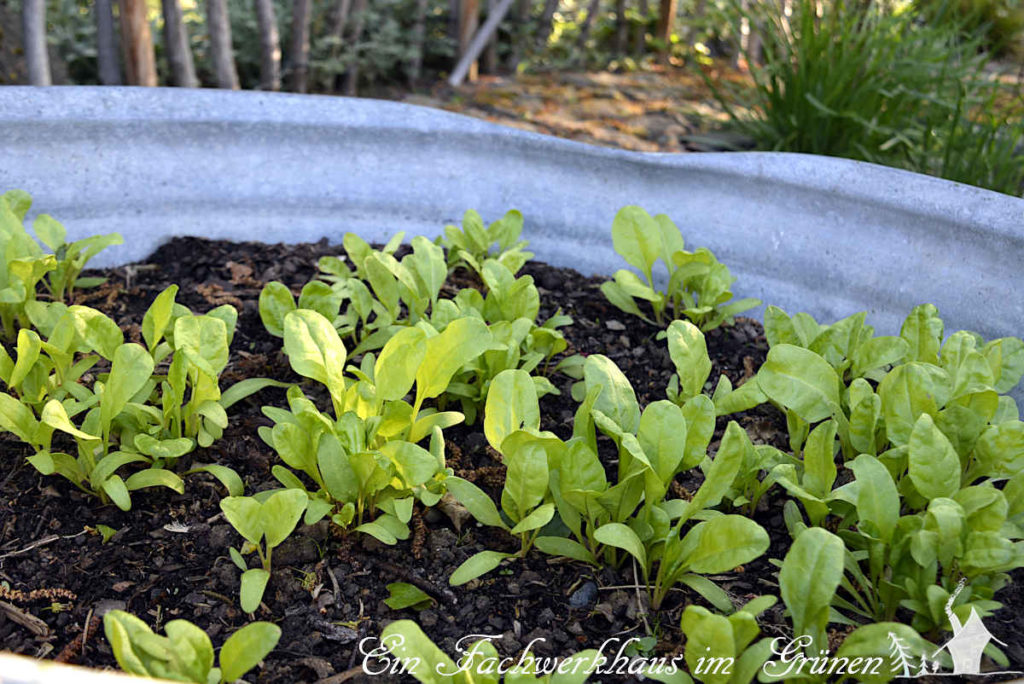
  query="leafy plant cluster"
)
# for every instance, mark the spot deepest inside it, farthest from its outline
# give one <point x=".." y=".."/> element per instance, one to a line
<point x="698" y="284"/>
<point x="123" y="411"/>
<point x="671" y="540"/>
<point x="113" y="403"/>
<point x="25" y="267"/>
<point x="930" y="521"/>
<point x="904" y="472"/>
<point x="380" y="295"/>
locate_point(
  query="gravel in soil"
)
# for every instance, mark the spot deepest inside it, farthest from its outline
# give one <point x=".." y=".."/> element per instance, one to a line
<point x="168" y="558"/>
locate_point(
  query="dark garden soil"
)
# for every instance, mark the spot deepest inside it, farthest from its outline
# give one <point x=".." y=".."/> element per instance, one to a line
<point x="169" y="557"/>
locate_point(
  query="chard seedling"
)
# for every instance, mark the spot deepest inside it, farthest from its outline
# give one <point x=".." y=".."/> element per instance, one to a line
<point x="809" y="579"/>
<point x="721" y="649"/>
<point x="72" y="258"/>
<point x="24" y="265"/>
<point x="264" y="524"/>
<point x="365" y="462"/>
<point x="186" y="653"/>
<point x="510" y="308"/>
<point x="473" y="244"/>
<point x="697" y="286"/>
<point x="525" y="503"/>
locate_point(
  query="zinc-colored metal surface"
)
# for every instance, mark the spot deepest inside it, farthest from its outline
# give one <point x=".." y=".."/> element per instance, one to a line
<point x="21" y="670"/>
<point x="827" y="236"/>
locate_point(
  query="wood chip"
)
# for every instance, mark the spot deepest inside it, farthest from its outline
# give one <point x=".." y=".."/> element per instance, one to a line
<point x="29" y="622"/>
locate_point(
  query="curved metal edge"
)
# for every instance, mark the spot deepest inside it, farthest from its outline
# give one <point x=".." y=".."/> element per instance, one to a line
<point x="22" y="670"/>
<point x="823" y="235"/>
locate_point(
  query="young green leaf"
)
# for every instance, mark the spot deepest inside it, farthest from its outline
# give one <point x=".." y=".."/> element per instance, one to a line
<point x="689" y="353"/>
<point x="244" y="649"/>
<point x="511" y="406"/>
<point x="809" y="578"/>
<point x="477" y="565"/>
<point x="254" y="583"/>
<point x="934" y="465"/>
<point x="801" y="381"/>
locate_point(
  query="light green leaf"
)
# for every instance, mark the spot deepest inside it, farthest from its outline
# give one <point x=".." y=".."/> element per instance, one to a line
<point x="877" y="499"/>
<point x="314" y="349"/>
<point x="477" y="565"/>
<point x="403" y="595"/>
<point x="801" y="381"/>
<point x="243" y="512"/>
<point x="637" y="238"/>
<point x="616" y="399"/>
<point x="158" y="317"/>
<point x="922" y="330"/>
<point x="476" y="501"/>
<point x="254" y="583"/>
<point x="537" y="519"/>
<point x="689" y="353"/>
<point x="621" y="537"/>
<point x="461" y="342"/>
<point x="276" y="302"/>
<point x="155" y="477"/>
<point x="398" y="363"/>
<point x="408" y="644"/>
<point x="130" y="370"/>
<point x="246" y="388"/>
<point x="511" y="406"/>
<point x="934" y="464"/>
<point x="809" y="578"/>
<point x="725" y="542"/>
<point x="280" y="513"/>
<point x="228" y="477"/>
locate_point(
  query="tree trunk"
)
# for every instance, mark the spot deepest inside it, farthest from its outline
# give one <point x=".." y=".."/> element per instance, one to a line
<point x="137" y="44"/>
<point x="621" y="26"/>
<point x="522" y="34"/>
<point x="179" y="51"/>
<point x="453" y="20"/>
<point x="666" y="17"/>
<point x="352" y="74"/>
<point x="479" y="42"/>
<point x="469" y="22"/>
<point x="490" y="61"/>
<point x="698" y="14"/>
<point x="221" y="52"/>
<point x="546" y="17"/>
<point x="108" y="63"/>
<point x="588" y="21"/>
<point x="300" y="45"/>
<point x="270" y="46"/>
<point x="37" y="59"/>
<point x="336" y="32"/>
<point x="419" y="32"/>
<point x="640" y="32"/>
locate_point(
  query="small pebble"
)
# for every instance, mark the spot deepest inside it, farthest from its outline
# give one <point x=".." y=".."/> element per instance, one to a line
<point x="584" y="596"/>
